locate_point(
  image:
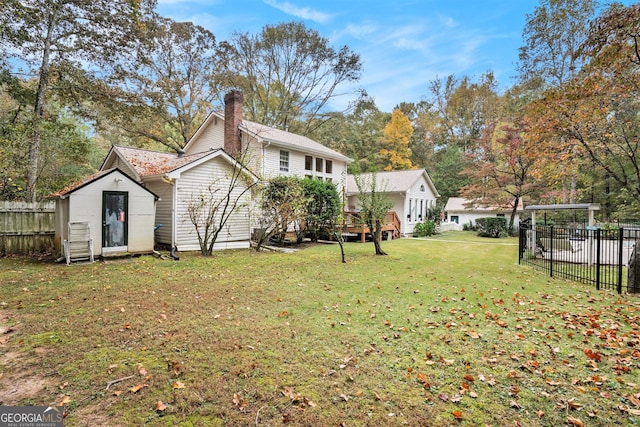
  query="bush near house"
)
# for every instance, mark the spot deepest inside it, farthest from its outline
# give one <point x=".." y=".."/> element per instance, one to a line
<point x="425" y="229"/>
<point x="492" y="227"/>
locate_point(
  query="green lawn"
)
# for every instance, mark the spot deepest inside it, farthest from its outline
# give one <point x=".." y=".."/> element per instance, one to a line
<point x="442" y="331"/>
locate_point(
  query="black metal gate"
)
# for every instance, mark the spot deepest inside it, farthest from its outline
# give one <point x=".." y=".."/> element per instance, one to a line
<point x="597" y="256"/>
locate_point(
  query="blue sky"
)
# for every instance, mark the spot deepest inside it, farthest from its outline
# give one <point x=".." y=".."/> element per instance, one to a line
<point x="403" y="44"/>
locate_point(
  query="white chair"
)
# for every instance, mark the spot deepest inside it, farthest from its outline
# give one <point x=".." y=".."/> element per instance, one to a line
<point x="79" y="244"/>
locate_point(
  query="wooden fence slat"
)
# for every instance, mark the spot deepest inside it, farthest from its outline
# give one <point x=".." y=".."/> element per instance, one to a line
<point x="26" y="227"/>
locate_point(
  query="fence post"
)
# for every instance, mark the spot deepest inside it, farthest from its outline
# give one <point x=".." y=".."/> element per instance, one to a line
<point x="597" y="258"/>
<point x="620" y="247"/>
<point x="551" y="252"/>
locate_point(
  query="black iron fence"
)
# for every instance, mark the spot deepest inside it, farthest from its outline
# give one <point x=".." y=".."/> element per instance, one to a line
<point x="597" y="256"/>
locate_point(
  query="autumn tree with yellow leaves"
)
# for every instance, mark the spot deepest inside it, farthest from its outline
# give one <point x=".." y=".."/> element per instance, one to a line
<point x="394" y="152"/>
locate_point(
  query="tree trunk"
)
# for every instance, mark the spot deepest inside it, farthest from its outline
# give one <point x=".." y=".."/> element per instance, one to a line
<point x="337" y="234"/>
<point x="40" y="102"/>
<point x="512" y="219"/>
<point x="376" y="234"/>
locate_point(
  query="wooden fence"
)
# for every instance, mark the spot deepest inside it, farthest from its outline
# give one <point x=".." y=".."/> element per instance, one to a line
<point x="26" y="228"/>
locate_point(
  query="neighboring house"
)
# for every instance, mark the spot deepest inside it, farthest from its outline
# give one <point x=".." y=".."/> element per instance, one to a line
<point x="266" y="151"/>
<point x="465" y="212"/>
<point x="108" y="213"/>
<point x="182" y="181"/>
<point x="411" y="191"/>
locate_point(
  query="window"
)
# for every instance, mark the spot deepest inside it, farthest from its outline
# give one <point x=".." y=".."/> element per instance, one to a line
<point x="328" y="167"/>
<point x="284" y="161"/>
<point x="319" y="164"/>
<point x="308" y="163"/>
<point x="422" y="188"/>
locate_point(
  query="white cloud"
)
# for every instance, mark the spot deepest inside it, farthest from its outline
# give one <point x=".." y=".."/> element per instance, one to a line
<point x="305" y="13"/>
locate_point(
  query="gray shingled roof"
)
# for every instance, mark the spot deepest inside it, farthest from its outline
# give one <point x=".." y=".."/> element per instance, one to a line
<point x="392" y="181"/>
<point x="291" y="140"/>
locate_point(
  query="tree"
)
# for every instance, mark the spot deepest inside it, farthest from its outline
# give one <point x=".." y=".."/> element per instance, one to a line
<point x="56" y="38"/>
<point x="283" y="206"/>
<point x="356" y="134"/>
<point x="324" y="211"/>
<point x="211" y="208"/>
<point x="322" y="207"/>
<point x="66" y="150"/>
<point x="598" y="109"/>
<point x="394" y="149"/>
<point x="169" y="85"/>
<point x="550" y="58"/>
<point x="288" y="73"/>
<point x="374" y="205"/>
<point x="552" y="37"/>
<point x="503" y="169"/>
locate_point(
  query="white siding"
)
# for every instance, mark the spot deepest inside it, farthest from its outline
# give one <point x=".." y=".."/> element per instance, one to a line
<point x="297" y="166"/>
<point x="469" y="216"/>
<point x="211" y="137"/>
<point x="164" y="210"/>
<point x="190" y="186"/>
<point x="85" y="204"/>
<point x="419" y="199"/>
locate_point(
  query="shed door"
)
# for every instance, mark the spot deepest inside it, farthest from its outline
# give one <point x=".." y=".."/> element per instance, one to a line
<point x="115" y="214"/>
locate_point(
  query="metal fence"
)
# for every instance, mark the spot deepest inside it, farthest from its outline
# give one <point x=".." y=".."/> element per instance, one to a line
<point x="26" y="227"/>
<point x="596" y="256"/>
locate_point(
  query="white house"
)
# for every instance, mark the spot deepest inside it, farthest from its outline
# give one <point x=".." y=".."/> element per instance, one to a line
<point x="181" y="181"/>
<point x="411" y="191"/>
<point x="462" y="211"/>
<point x="111" y="212"/>
<point x="222" y="144"/>
<point x="266" y="151"/>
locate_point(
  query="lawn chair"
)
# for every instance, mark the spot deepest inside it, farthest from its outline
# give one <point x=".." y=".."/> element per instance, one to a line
<point x="79" y="244"/>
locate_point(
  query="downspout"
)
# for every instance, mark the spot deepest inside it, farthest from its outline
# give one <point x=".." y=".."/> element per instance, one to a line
<point x="174" y="198"/>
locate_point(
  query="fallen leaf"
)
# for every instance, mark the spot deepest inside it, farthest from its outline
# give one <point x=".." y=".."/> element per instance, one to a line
<point x="592" y="354"/>
<point x="160" y="406"/>
<point x="457" y="415"/>
<point x="178" y="384"/>
<point x="575" y="422"/>
<point x="137" y="388"/>
<point x="238" y="400"/>
<point x="64" y="401"/>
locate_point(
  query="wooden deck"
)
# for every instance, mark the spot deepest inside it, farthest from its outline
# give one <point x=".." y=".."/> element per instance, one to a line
<point x="353" y="225"/>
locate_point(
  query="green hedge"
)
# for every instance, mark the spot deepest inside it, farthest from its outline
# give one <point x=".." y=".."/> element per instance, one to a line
<point x="492" y="227"/>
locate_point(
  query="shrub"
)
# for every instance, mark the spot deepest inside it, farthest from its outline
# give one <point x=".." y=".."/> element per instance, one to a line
<point x="491" y="227"/>
<point x="424" y="229"/>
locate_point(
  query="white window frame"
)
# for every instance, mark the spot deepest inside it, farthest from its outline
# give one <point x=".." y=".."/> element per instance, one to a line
<point x="284" y="161"/>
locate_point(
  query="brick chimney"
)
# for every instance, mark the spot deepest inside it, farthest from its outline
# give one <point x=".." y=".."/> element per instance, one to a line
<point x="232" y="119"/>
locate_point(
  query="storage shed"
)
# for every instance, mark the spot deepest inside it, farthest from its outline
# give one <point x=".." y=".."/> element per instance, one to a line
<point x="106" y="214"/>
